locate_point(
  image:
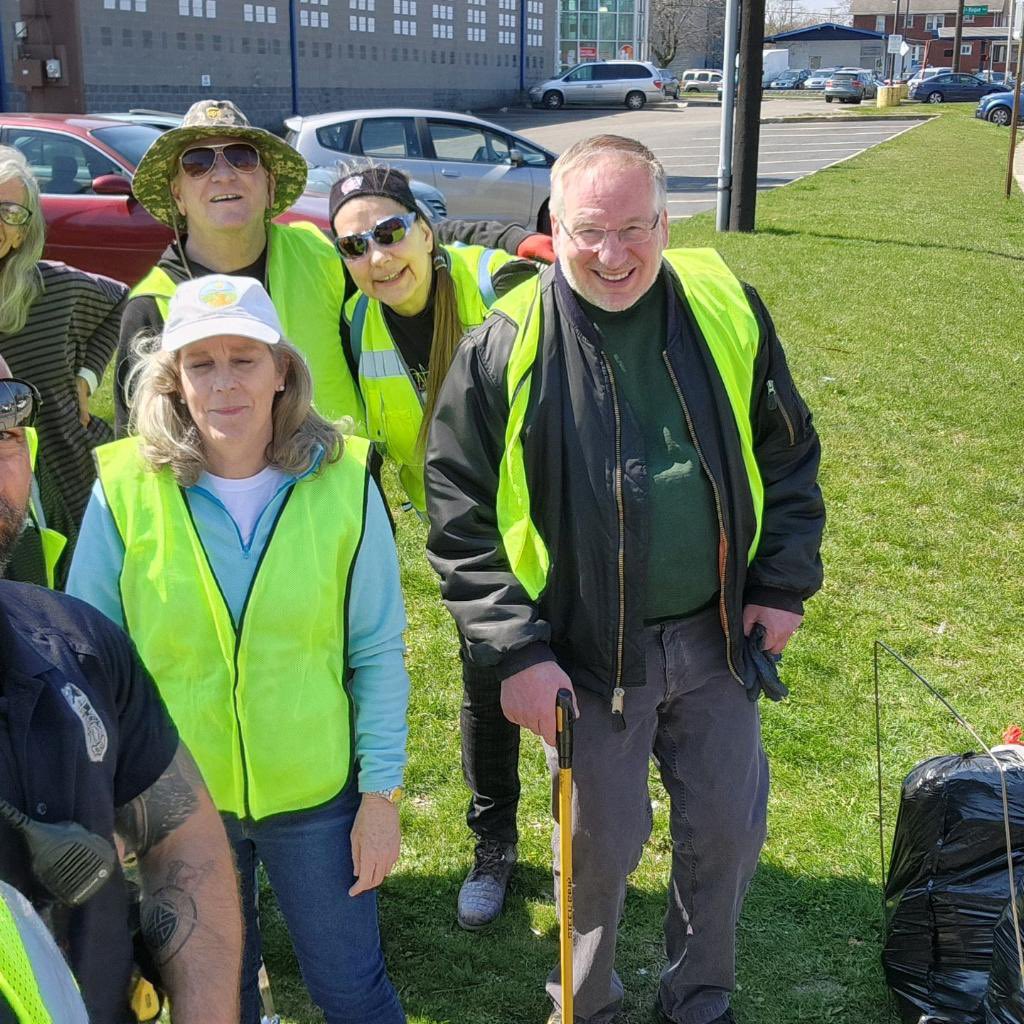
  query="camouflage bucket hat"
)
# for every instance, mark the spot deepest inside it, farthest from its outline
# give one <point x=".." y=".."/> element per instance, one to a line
<point x="205" y="120"/>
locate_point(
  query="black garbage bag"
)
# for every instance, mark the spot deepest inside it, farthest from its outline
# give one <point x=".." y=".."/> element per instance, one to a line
<point x="1004" y="1001"/>
<point x="948" y="883"/>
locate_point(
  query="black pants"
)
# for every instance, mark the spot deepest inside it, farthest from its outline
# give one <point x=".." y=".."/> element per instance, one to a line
<point x="490" y="757"/>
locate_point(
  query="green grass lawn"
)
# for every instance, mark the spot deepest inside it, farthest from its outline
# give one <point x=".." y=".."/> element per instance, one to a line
<point x="894" y="279"/>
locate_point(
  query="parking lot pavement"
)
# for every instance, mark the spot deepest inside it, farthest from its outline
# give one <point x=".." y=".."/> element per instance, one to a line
<point x="686" y="142"/>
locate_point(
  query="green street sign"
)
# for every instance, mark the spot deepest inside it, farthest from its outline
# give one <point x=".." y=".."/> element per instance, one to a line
<point x="982" y="9"/>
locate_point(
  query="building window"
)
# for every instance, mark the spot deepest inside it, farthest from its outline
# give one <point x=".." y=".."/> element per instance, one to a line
<point x="407" y="8"/>
<point x="477" y="17"/>
<point x="442" y="12"/>
<point x="933" y="22"/>
<point x="532" y="40"/>
<point x="476" y="35"/>
<point x="361" y="23"/>
<point x="879" y="22"/>
<point x="404" y="28"/>
<point x="443" y="31"/>
<point x="966" y="49"/>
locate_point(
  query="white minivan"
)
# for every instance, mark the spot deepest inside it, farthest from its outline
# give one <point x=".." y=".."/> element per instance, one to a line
<point x="604" y="82"/>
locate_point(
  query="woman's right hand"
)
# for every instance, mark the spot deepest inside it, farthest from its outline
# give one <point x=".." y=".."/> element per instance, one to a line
<point x="376" y="842"/>
<point x="82" y="387"/>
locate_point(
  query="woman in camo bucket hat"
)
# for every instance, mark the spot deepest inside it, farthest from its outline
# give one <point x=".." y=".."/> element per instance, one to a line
<point x="219" y="183"/>
<point x="214" y="119"/>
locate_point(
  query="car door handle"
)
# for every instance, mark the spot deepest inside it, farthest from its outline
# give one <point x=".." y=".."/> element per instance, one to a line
<point x="450" y="174"/>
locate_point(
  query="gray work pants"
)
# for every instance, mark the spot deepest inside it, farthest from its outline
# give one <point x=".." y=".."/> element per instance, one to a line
<point x="705" y="736"/>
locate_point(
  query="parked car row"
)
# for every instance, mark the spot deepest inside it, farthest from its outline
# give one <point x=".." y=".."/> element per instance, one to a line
<point x="85" y="163"/>
<point x="850" y="85"/>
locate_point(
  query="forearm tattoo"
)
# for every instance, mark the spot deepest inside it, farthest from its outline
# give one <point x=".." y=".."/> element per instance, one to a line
<point x="168" y="803"/>
<point x="169" y="915"/>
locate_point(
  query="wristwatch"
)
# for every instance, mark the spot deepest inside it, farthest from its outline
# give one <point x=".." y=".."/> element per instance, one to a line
<point x="391" y="795"/>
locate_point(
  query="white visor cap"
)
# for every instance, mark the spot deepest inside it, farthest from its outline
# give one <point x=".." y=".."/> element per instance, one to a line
<point x="220" y="304"/>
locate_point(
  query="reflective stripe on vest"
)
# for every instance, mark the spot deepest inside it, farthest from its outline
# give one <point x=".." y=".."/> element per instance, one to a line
<point x="247" y="697"/>
<point x="52" y="542"/>
<point x="307" y="284"/>
<point x="730" y="328"/>
<point x="17" y="977"/>
<point x="394" y="409"/>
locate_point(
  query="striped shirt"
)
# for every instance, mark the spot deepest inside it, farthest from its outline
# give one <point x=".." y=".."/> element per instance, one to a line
<point x="71" y="331"/>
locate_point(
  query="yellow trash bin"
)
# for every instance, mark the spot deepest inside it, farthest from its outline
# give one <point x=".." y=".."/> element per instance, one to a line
<point x="888" y="96"/>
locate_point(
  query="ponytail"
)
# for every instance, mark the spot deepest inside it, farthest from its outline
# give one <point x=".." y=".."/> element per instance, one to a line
<point x="448" y="331"/>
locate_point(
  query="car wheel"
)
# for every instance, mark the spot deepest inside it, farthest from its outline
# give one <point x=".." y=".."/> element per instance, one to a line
<point x="828" y="99"/>
<point x="635" y="100"/>
<point x="1000" y="116"/>
<point x="935" y="97"/>
<point x="690" y="89"/>
<point x="553" y="100"/>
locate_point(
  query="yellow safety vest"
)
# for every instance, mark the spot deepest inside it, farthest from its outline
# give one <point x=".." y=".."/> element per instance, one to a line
<point x="52" y="542"/>
<point x="307" y="284"/>
<point x="394" y="408"/>
<point x="730" y="328"/>
<point x="263" y="704"/>
<point x="34" y="980"/>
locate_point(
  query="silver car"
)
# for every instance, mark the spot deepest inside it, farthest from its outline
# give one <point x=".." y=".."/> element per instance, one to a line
<point x="604" y="83"/>
<point x="700" y="80"/>
<point x="819" y="78"/>
<point x="484" y="171"/>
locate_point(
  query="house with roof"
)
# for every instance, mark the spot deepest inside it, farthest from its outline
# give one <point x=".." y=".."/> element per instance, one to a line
<point x="831" y="45"/>
<point x="929" y="26"/>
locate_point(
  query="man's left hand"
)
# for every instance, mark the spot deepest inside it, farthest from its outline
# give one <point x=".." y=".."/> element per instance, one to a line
<point x="779" y="625"/>
<point x="376" y="841"/>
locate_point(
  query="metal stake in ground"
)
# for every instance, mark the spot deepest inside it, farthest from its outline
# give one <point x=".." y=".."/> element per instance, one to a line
<point x="563" y="744"/>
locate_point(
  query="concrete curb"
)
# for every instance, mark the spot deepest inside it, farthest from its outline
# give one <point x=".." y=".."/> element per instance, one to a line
<point x="846" y="119"/>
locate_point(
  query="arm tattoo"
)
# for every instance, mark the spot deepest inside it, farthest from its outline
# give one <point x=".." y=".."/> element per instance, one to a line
<point x="168" y="803"/>
<point x="169" y="915"/>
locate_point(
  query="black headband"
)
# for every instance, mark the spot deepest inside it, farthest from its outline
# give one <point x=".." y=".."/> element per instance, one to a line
<point x="372" y="181"/>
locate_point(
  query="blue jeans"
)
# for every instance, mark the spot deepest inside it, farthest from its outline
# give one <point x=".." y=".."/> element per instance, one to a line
<point x="308" y="858"/>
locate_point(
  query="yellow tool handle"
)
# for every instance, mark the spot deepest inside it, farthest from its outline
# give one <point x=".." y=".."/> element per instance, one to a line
<point x="565" y="888"/>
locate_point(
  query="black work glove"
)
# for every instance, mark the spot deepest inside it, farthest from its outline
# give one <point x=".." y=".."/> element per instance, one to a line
<point x="760" y="672"/>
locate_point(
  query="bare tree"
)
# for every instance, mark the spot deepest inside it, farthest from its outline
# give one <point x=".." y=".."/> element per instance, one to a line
<point x="786" y="15"/>
<point x="691" y="25"/>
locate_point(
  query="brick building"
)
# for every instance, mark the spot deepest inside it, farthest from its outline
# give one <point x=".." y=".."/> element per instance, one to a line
<point x="96" y="55"/>
<point x="931" y="24"/>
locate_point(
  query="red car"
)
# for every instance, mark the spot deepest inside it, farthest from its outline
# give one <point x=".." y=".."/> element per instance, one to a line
<point x="84" y="166"/>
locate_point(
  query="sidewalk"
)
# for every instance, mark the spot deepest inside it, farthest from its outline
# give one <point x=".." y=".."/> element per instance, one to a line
<point x="1018" y="165"/>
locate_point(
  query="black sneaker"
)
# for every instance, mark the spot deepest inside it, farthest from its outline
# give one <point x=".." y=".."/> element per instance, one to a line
<point x="483" y="892"/>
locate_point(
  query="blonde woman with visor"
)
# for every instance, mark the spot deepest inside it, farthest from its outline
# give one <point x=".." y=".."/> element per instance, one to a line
<point x="241" y="541"/>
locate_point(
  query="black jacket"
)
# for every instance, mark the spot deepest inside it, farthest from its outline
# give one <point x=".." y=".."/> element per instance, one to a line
<point x="589" y="504"/>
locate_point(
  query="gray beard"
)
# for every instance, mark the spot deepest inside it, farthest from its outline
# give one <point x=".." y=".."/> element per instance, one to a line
<point x="12" y="521"/>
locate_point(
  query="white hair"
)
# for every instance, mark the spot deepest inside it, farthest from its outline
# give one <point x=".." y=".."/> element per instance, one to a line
<point x="625" y="152"/>
<point x="20" y="281"/>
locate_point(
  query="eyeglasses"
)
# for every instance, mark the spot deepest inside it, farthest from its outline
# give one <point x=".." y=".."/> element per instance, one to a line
<point x="389" y="231"/>
<point x="14" y="214"/>
<point x="591" y="239"/>
<point x="199" y="161"/>
<point x="19" y="403"/>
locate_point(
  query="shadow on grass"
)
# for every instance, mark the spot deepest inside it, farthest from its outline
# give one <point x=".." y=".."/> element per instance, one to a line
<point x="977" y="250"/>
<point x="809" y="951"/>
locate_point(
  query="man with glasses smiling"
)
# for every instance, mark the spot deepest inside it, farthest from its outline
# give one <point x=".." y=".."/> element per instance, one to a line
<point x="219" y="182"/>
<point x="622" y="488"/>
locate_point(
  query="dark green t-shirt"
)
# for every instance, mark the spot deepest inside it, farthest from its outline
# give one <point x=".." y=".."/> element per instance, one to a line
<point x="682" y="554"/>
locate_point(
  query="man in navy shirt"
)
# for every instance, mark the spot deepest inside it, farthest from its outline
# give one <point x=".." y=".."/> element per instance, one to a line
<point x="84" y="737"/>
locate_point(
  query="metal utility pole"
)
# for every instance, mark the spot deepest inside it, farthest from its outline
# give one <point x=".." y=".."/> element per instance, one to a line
<point x="748" y="117"/>
<point x="958" y="35"/>
<point x="728" y="116"/>
<point x="293" y="48"/>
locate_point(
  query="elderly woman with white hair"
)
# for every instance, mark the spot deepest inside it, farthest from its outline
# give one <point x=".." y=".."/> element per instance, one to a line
<point x="242" y="543"/>
<point x="58" y="331"/>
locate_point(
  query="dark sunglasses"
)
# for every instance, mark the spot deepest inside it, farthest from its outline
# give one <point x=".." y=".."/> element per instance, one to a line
<point x="198" y="161"/>
<point x="389" y="231"/>
<point x="14" y="214"/>
<point x="19" y="403"/>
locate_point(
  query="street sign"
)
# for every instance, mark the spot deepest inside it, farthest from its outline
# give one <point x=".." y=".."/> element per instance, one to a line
<point x="1018" y="22"/>
<point x="895" y="42"/>
<point x="904" y="50"/>
<point x="981" y="9"/>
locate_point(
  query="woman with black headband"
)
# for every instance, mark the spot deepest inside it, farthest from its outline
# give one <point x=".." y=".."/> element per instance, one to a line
<point x="417" y="297"/>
